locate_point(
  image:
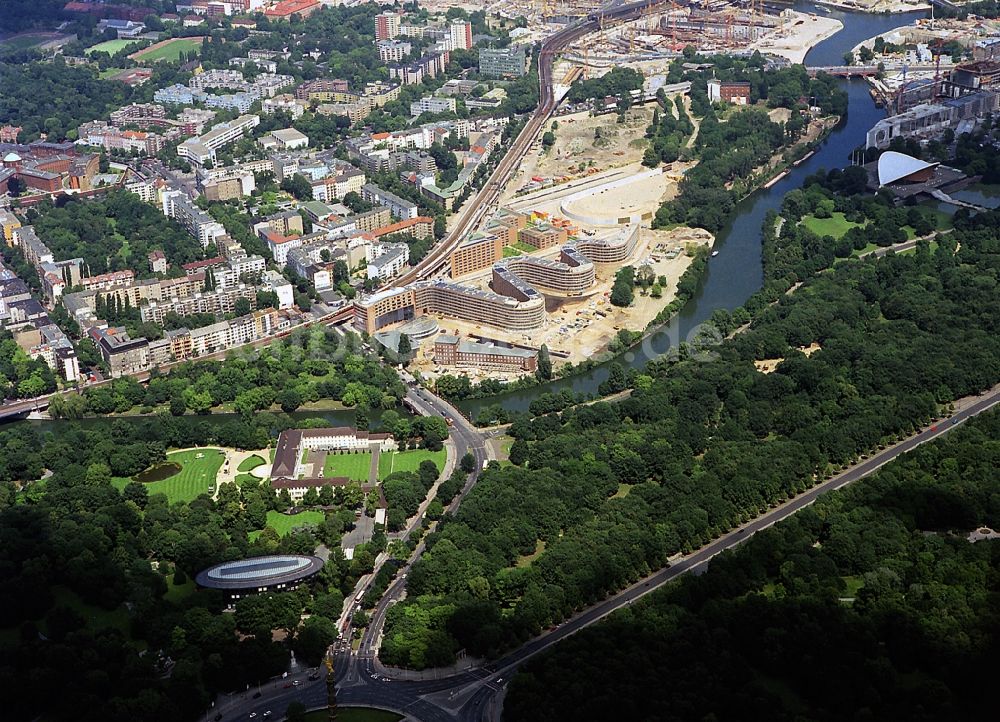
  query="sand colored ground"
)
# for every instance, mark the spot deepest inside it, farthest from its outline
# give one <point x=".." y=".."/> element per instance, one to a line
<point x="585" y="145"/>
<point x="800" y="33"/>
<point x="769" y="365"/>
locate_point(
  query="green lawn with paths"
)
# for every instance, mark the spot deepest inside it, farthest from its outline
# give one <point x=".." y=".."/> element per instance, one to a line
<point x="196" y="476"/>
<point x="836" y="226"/>
<point x="251" y="462"/>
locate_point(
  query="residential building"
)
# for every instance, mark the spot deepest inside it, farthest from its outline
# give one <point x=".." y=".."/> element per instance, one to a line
<point x="460" y="35"/>
<point x="510" y="62"/>
<point x="338" y="184"/>
<point x="123" y="355"/>
<point x="237" y="185"/>
<point x="158" y="262"/>
<point x="475" y="254"/>
<point x="219" y="302"/>
<point x="399" y="207"/>
<point x="325" y="89"/>
<point x="245" y="269"/>
<point x="201" y="149"/>
<point x="198" y="223"/>
<point x="430" y="65"/>
<point x="386" y="260"/>
<point x="284" y="103"/>
<point x="276" y="283"/>
<point x="420" y="227"/>
<point x="387" y="25"/>
<point x="732" y="92"/>
<point x="393" y="51"/>
<point x="8" y="224"/>
<point x="430" y="104"/>
<point x="451" y="351"/>
<point x="279" y="245"/>
<point x="284" y="9"/>
<point x="285" y="222"/>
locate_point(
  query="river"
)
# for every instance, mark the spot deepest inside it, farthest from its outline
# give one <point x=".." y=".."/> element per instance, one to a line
<point x="736" y="273"/>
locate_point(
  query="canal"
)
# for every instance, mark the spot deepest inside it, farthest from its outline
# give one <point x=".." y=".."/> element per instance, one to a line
<point x="736" y="273"/>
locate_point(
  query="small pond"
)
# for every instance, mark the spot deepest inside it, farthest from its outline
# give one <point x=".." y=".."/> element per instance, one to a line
<point x="158" y="472"/>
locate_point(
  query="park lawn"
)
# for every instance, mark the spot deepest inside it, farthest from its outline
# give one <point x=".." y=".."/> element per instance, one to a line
<point x="867" y="249"/>
<point x="354" y="714"/>
<point x="837" y="225"/>
<point x="170" y="52"/>
<point x="110" y="46"/>
<point x="284" y="523"/>
<point x="95" y="616"/>
<point x="194" y="478"/>
<point x="932" y="246"/>
<point x="409" y="460"/>
<point x="248" y="480"/>
<point x="251" y="462"/>
<point x="353" y="466"/>
<point x="176" y="593"/>
<point x="525" y="559"/>
<point x="510" y="252"/>
<point x="623" y="490"/>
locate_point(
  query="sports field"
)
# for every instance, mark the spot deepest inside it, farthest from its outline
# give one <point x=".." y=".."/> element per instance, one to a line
<point x="23" y="41"/>
<point x="169" y="50"/>
<point x="353" y="466"/>
<point x="199" y="468"/>
<point x="389" y="462"/>
<point x="110" y="46"/>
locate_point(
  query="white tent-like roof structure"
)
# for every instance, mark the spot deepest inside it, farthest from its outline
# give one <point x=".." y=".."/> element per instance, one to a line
<point x="893" y="166"/>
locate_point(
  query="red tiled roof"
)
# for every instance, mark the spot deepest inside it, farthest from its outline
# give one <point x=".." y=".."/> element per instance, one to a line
<point x="288" y="7"/>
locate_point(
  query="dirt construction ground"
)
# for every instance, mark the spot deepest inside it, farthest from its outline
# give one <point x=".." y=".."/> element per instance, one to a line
<point x="586" y="145"/>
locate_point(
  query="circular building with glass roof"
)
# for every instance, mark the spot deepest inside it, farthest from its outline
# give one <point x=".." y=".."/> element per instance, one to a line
<point x="259" y="574"/>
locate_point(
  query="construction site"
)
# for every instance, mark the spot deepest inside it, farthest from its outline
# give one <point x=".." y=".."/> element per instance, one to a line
<point x="665" y="29"/>
<point x="918" y="61"/>
<point x="579" y="327"/>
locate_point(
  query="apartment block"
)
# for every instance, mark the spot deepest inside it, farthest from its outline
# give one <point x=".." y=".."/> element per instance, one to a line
<point x="198" y="223"/>
<point x="201" y="149"/>
<point x="217" y="302"/>
<point x="393" y="51"/>
<point x="399" y="207"/>
<point x="430" y="104"/>
<point x="387" y="26"/>
<point x="508" y="62"/>
<point x="476" y="254"/>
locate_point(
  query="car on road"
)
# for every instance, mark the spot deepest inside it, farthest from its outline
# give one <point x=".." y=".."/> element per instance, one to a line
<point x="267" y="714"/>
<point x="256" y="695"/>
<point x="296" y="683"/>
<point x="253" y="715"/>
<point x="287" y="685"/>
